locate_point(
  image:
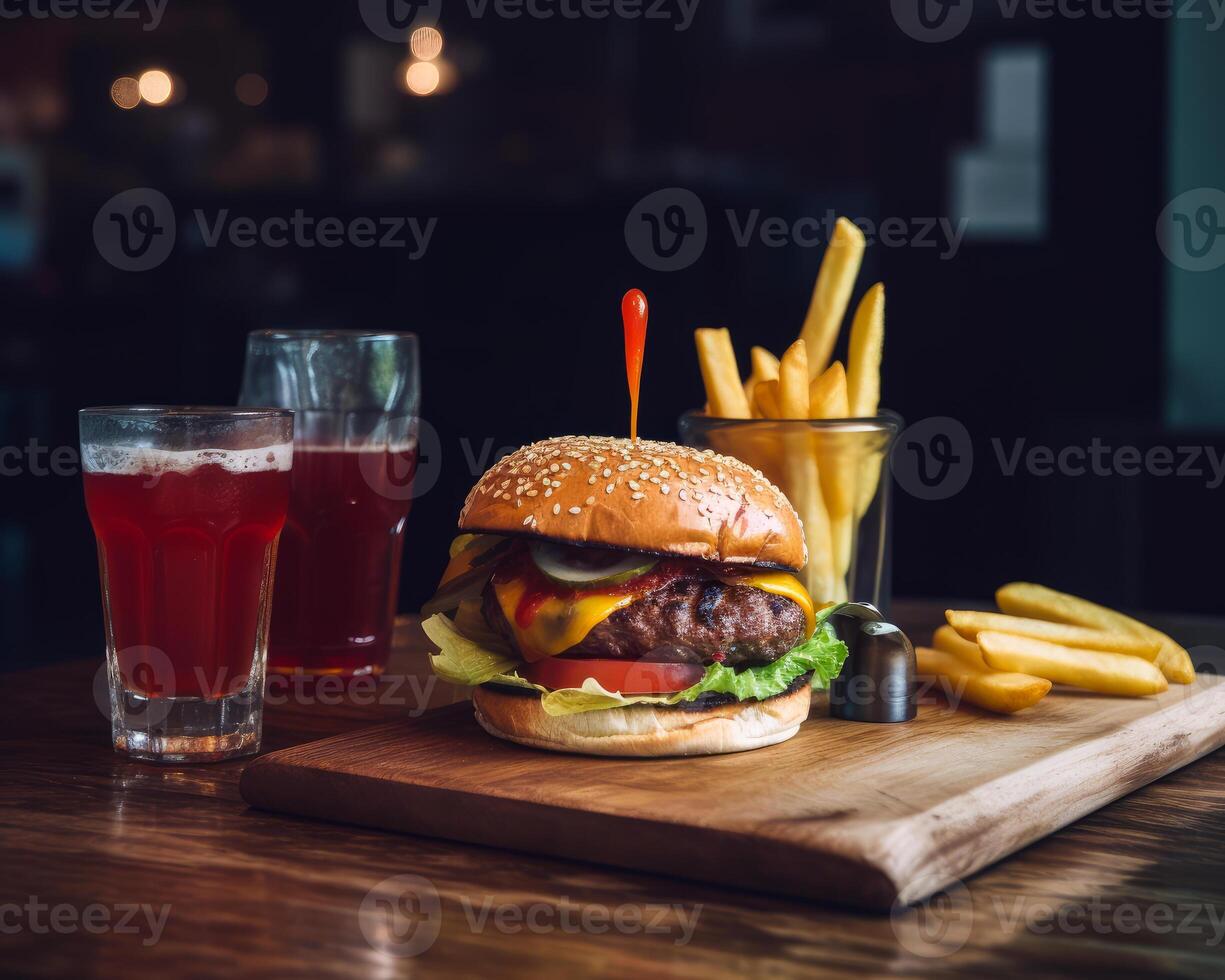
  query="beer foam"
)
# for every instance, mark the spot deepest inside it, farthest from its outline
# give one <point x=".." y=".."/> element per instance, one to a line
<point x="143" y="461"/>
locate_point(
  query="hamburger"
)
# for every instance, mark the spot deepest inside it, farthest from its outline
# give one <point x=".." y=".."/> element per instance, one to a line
<point x="630" y="598"/>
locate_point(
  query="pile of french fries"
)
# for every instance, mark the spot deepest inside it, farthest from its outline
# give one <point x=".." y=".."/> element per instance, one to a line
<point x="1006" y="661"/>
<point x="831" y="477"/>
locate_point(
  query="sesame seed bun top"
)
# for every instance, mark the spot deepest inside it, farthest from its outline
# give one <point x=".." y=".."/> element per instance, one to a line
<point x="655" y="497"/>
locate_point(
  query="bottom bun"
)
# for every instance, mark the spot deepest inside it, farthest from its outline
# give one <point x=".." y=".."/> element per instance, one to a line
<point x="643" y="729"/>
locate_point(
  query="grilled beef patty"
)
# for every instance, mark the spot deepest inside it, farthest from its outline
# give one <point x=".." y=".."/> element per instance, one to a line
<point x="689" y="620"/>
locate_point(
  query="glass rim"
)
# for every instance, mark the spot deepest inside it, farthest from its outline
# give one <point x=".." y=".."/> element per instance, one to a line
<point x="354" y="336"/>
<point x="217" y="412"/>
<point x="883" y="421"/>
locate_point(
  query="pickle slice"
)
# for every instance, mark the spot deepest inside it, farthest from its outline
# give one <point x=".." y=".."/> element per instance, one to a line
<point x="588" y="568"/>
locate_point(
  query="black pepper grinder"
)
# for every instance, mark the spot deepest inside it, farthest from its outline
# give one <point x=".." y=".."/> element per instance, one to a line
<point x="877" y="681"/>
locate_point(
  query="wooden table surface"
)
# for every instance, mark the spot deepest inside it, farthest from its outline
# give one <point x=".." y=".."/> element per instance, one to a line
<point x="110" y="867"/>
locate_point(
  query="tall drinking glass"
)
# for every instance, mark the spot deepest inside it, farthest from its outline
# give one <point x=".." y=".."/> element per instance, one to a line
<point x="187" y="505"/>
<point x="355" y="397"/>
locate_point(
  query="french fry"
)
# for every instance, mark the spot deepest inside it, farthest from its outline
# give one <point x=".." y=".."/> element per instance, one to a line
<point x="827" y="399"/>
<point x="1092" y="670"/>
<point x="978" y="684"/>
<point x="863" y="380"/>
<point x="765" y="400"/>
<point x="1039" y="602"/>
<point x="969" y="624"/>
<point x="793" y="382"/>
<point x="947" y="639"/>
<point x="831" y="293"/>
<point x="803" y="478"/>
<point x="827" y="394"/>
<point x="764" y="367"/>
<point x="803" y="488"/>
<point x="720" y="374"/>
<point x="864" y="354"/>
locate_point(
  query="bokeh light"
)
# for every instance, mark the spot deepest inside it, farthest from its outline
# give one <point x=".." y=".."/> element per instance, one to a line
<point x="421" y="77"/>
<point x="426" y="43"/>
<point x="125" y="92"/>
<point x="251" y="89"/>
<point x="155" y="86"/>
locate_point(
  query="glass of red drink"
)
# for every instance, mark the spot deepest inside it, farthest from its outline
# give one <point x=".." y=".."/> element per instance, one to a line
<point x="187" y="505"/>
<point x="355" y="398"/>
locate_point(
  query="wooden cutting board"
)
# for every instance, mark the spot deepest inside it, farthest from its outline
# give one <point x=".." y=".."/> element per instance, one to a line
<point x="856" y="814"/>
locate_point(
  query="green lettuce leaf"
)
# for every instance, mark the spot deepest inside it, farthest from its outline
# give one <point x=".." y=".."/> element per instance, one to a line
<point x="463" y="660"/>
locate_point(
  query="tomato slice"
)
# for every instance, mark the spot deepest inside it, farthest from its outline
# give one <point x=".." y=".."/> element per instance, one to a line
<point x="625" y="676"/>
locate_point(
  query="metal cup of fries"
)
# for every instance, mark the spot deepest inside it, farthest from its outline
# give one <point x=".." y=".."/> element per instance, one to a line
<point x="830" y="469"/>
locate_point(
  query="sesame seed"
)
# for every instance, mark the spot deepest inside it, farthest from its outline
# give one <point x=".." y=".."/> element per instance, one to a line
<point x="549" y="492"/>
<point x="606" y="473"/>
<point x="634" y="485"/>
<point x="681" y="493"/>
<point x="557" y="508"/>
<point x="591" y="479"/>
<point x="565" y="466"/>
<point x="528" y="519"/>
<point x="532" y="493"/>
<point x="518" y="503"/>
<point x="590" y="501"/>
<point x="664" y="488"/>
<point x="637" y="496"/>
<point x="576" y="510"/>
<point x="553" y="467"/>
<point x="610" y="488"/>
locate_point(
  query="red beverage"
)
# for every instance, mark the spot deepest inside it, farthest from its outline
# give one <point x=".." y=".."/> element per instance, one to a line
<point x="183" y="548"/>
<point x="338" y="572"/>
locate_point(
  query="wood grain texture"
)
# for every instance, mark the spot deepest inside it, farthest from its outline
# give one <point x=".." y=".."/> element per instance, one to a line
<point x="254" y="893"/>
<point x="885" y="812"/>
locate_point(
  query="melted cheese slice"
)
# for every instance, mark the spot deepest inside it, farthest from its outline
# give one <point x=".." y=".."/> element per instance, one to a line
<point x="560" y="623"/>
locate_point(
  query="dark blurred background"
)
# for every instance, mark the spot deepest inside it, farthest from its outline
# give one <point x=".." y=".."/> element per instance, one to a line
<point x="1049" y="145"/>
